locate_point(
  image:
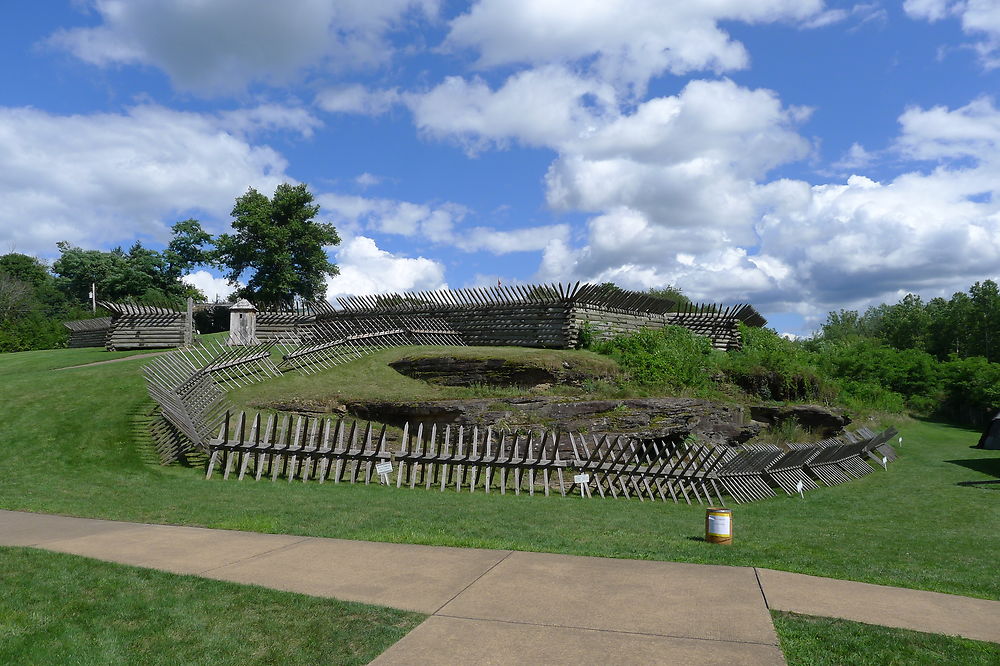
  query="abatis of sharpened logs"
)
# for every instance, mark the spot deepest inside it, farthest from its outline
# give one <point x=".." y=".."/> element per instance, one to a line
<point x="470" y="458"/>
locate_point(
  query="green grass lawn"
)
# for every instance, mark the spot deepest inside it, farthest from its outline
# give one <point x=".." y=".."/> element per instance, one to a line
<point x="67" y="446"/>
<point x="371" y="378"/>
<point x="62" y="609"/>
<point x="818" y="641"/>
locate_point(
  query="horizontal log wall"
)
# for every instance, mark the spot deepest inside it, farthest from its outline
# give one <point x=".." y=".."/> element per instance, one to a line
<point x="94" y="338"/>
<point x="281" y="325"/>
<point x="521" y="325"/>
<point x="722" y="331"/>
<point x="145" y="332"/>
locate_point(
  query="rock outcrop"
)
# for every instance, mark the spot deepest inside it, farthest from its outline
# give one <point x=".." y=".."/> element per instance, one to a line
<point x="452" y="371"/>
<point x="827" y="422"/>
<point x="644" y="418"/>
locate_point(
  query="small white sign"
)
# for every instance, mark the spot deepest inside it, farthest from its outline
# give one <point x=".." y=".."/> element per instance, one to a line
<point x="383" y="468"/>
<point x="900" y="441"/>
<point x="885" y="463"/>
<point x="799" y="488"/>
<point x="581" y="478"/>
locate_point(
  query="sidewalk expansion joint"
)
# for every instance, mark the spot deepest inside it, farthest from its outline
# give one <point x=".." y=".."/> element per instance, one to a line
<point x="607" y="631"/>
<point x="761" y="586"/>
<point x="495" y="565"/>
<point x="255" y="556"/>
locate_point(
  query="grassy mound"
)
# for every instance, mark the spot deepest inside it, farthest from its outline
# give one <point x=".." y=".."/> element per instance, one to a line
<point x="371" y="378"/>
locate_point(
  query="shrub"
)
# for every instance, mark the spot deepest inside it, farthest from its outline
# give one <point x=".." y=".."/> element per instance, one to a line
<point x="587" y="337"/>
<point x="971" y="388"/>
<point x="869" y="397"/>
<point x="672" y="356"/>
<point x="773" y="368"/>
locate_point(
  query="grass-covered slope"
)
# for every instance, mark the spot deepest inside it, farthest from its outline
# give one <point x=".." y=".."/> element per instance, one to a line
<point x="67" y="446"/>
<point x="371" y="378"/>
<point x="62" y="609"/>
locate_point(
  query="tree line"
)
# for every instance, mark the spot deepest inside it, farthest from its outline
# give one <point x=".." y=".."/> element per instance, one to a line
<point x="965" y="325"/>
<point x="940" y="357"/>
<point x="275" y="253"/>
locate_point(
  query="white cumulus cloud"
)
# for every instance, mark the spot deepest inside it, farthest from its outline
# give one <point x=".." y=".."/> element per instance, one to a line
<point x="537" y="107"/>
<point x="214" y="288"/>
<point x="440" y="224"/>
<point x="220" y="46"/>
<point x="979" y="18"/>
<point x="356" y="98"/>
<point x="109" y="177"/>
<point x="934" y="229"/>
<point x="628" y="41"/>
<point x="366" y="269"/>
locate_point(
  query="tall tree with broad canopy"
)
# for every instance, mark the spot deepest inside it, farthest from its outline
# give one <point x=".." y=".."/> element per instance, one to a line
<point x="282" y="243"/>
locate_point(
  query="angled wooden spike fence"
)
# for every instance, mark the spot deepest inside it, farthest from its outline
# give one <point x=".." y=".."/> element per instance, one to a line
<point x="601" y="295"/>
<point x="322" y="449"/>
<point x="344" y="341"/>
<point x="189" y="385"/>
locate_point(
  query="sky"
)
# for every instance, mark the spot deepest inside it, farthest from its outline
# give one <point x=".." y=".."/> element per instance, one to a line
<point x="800" y="155"/>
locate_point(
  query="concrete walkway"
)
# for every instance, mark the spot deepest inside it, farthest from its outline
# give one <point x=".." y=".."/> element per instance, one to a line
<point x="501" y="606"/>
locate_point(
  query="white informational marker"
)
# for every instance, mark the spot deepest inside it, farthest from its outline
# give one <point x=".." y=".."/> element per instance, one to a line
<point x="583" y="480"/>
<point x="885" y="463"/>
<point x="900" y="441"/>
<point x="799" y="487"/>
<point x="384" y="469"/>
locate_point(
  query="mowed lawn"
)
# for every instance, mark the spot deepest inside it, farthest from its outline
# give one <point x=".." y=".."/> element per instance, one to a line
<point x="63" y="609"/>
<point x="67" y="445"/>
<point x="822" y="641"/>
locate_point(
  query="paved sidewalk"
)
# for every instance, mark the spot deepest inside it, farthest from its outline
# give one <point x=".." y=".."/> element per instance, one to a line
<point x="494" y="606"/>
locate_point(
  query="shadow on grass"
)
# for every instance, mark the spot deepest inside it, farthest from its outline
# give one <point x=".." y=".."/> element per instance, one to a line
<point x="985" y="485"/>
<point x="948" y="424"/>
<point x="989" y="466"/>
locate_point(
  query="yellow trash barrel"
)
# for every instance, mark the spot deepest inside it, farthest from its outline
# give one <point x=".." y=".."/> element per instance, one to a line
<point x="719" y="525"/>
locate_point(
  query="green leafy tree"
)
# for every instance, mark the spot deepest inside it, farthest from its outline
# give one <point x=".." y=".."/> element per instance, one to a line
<point x="279" y="240"/>
<point x="984" y="322"/>
<point x="842" y="325"/>
<point x="24" y="268"/>
<point x="186" y="249"/>
<point x="140" y="274"/>
<point x="671" y="293"/>
<point x="31" y="307"/>
<point x="906" y="324"/>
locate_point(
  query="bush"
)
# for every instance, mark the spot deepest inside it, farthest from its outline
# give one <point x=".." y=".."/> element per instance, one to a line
<point x="672" y="356"/>
<point x="773" y="368"/>
<point x="587" y="336"/>
<point x="971" y="388"/>
<point x="869" y="397"/>
<point x="33" y="331"/>
<point x="909" y="372"/>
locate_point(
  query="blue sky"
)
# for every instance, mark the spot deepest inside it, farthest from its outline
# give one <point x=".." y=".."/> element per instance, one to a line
<point x="799" y="155"/>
